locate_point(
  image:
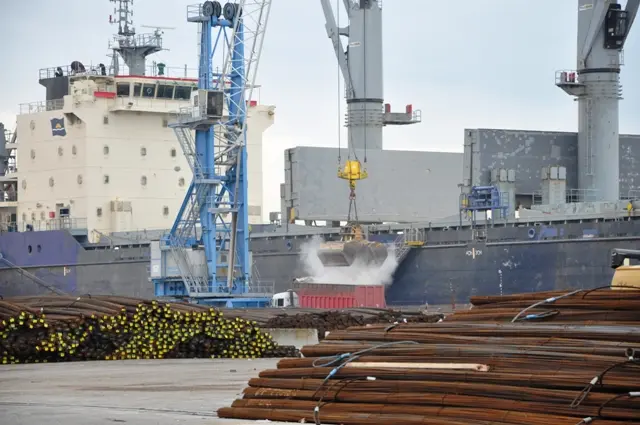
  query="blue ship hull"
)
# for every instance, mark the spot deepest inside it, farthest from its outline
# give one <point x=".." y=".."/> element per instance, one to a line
<point x="451" y="266"/>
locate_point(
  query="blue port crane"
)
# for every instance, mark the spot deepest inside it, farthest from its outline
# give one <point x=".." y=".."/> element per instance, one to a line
<point x="205" y="257"/>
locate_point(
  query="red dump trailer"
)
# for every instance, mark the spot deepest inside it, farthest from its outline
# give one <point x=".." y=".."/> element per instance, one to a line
<point x="319" y="295"/>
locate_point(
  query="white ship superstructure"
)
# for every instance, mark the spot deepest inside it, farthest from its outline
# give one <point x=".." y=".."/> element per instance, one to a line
<point x="103" y="157"/>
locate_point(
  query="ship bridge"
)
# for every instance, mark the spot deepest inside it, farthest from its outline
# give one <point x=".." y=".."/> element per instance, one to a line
<point x="98" y="155"/>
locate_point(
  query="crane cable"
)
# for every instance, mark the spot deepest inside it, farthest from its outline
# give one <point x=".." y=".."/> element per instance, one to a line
<point x="349" y="91"/>
<point x="339" y="100"/>
<point x="364" y="76"/>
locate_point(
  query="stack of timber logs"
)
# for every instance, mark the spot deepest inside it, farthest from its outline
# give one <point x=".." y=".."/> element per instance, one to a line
<point x="488" y="370"/>
<point x="68" y="328"/>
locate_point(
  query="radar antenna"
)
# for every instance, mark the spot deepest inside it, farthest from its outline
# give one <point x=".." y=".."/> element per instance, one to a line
<point x="133" y="48"/>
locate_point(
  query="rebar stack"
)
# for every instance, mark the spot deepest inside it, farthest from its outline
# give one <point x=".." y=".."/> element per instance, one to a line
<point x="67" y="328"/>
<point x="589" y="306"/>
<point x="467" y="372"/>
<point x="330" y="320"/>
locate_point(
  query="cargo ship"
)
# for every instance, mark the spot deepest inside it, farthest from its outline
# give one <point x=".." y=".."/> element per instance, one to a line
<point x="516" y="211"/>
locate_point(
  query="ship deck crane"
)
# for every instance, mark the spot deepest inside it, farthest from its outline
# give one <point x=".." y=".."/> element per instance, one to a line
<point x="205" y="257"/>
<point x="360" y="65"/>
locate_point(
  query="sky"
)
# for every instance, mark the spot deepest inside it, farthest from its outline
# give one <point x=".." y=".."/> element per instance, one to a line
<point x="464" y="64"/>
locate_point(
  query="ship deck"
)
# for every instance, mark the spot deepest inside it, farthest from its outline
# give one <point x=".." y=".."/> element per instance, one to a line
<point x="142" y="392"/>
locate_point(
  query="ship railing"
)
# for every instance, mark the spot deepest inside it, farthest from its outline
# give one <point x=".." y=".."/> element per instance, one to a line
<point x="567" y="77"/>
<point x="582" y="195"/>
<point x="400" y="247"/>
<point x="633" y="195"/>
<point x="138" y="40"/>
<point x="259" y="286"/>
<point x="51" y="224"/>
<point x="67" y="71"/>
<point x="187" y="115"/>
<point x="155" y="69"/>
<point x="159" y="69"/>
<point x="571" y="196"/>
<point x="41" y="106"/>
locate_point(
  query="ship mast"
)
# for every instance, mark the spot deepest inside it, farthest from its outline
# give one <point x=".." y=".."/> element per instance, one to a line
<point x="133" y="48"/>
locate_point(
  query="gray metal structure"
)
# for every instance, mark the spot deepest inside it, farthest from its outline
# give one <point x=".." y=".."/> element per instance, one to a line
<point x="361" y="66"/>
<point x="528" y="152"/>
<point x="423" y="186"/>
<point x="134" y="48"/>
<point x="603" y="27"/>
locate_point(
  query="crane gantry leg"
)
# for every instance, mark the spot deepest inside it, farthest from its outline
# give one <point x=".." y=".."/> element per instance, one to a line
<point x="209" y="241"/>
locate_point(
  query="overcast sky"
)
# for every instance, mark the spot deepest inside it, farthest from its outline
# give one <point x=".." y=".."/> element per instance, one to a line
<point x="465" y="64"/>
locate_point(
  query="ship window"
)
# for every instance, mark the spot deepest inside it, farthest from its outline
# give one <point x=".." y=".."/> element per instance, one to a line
<point x="181" y="181"/>
<point x="105" y="150"/>
<point x="99" y="212"/>
<point x="183" y="93"/>
<point x="105" y="178"/>
<point x="149" y="90"/>
<point x="137" y="89"/>
<point x="165" y="92"/>
<point x="143" y="180"/>
<point x="123" y="89"/>
<point x="173" y="152"/>
<point x="143" y="151"/>
<point x="165" y="210"/>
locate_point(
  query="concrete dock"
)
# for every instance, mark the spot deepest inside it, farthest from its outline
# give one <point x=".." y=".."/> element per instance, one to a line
<point x="141" y="392"/>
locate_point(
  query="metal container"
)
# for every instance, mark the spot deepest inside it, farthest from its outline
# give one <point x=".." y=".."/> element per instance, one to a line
<point x="317" y="295"/>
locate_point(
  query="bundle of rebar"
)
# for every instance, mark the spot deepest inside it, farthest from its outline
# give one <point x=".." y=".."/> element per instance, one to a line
<point x="67" y="328"/>
<point x="596" y="306"/>
<point x="326" y="320"/>
<point x="459" y="372"/>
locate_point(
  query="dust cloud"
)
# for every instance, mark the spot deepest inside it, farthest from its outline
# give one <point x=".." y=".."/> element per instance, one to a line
<point x="356" y="274"/>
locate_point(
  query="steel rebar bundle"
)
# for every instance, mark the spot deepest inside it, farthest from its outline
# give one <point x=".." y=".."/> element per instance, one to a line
<point x="63" y="328"/>
<point x="598" y="306"/>
<point x="330" y="319"/>
<point x="486" y="370"/>
<point x="68" y="328"/>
